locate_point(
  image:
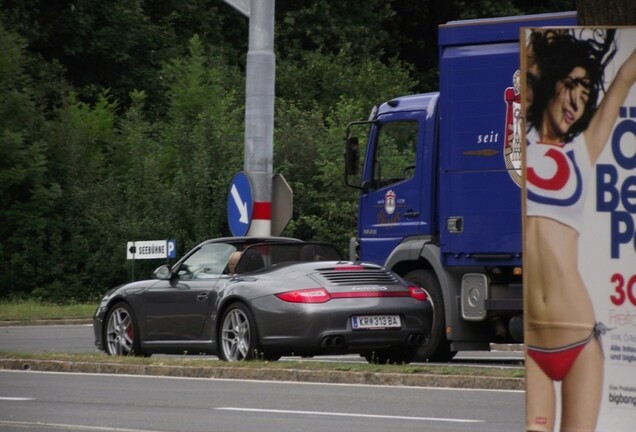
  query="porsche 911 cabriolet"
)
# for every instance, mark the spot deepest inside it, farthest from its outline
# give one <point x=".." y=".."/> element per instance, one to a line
<point x="246" y="298"/>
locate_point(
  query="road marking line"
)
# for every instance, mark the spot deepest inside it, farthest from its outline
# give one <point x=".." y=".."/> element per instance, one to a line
<point x="73" y="427"/>
<point x="16" y="398"/>
<point x="337" y="414"/>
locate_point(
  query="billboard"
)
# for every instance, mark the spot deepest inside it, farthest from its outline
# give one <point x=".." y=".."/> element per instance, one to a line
<point x="579" y="228"/>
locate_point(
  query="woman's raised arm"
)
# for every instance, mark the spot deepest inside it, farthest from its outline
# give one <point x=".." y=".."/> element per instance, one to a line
<point x="602" y="124"/>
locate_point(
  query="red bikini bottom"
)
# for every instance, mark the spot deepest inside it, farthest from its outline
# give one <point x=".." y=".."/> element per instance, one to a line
<point x="557" y="362"/>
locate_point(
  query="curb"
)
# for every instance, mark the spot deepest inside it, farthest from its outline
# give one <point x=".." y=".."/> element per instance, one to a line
<point x="44" y="322"/>
<point x="266" y="374"/>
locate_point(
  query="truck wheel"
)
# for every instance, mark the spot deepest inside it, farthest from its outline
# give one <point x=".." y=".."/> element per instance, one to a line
<point x="437" y="347"/>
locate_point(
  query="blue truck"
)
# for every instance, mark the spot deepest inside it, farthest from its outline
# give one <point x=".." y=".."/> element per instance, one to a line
<point x="440" y="182"/>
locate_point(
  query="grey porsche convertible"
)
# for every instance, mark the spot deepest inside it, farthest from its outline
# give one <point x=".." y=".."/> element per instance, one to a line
<point x="244" y="298"/>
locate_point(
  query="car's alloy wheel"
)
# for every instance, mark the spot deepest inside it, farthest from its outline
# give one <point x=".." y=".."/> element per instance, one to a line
<point x="238" y="335"/>
<point x="120" y="333"/>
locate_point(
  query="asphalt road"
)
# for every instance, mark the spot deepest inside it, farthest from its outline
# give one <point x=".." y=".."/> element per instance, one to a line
<point x="45" y="402"/>
<point x="49" y="338"/>
<point x="79" y="339"/>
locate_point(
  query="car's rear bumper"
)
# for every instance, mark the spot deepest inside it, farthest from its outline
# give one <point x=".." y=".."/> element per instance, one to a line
<point x="346" y="342"/>
<point x="327" y="327"/>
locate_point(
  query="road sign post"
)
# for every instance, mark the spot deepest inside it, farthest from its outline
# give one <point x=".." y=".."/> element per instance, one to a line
<point x="260" y="74"/>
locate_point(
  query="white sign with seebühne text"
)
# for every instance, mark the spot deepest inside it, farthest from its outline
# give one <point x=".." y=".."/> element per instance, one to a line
<point x="150" y="249"/>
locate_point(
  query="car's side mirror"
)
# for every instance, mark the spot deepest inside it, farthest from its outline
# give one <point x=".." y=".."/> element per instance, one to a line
<point x="162" y="273"/>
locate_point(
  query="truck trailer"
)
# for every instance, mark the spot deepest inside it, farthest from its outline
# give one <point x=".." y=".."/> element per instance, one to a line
<point x="440" y="181"/>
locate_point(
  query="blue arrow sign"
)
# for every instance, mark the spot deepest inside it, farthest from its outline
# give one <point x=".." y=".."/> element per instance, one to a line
<point x="240" y="204"/>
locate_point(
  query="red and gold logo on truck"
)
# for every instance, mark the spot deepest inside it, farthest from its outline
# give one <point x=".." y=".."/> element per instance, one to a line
<point x="512" y="141"/>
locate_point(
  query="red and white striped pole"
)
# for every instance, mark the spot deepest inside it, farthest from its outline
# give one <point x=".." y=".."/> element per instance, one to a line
<point x="261" y="219"/>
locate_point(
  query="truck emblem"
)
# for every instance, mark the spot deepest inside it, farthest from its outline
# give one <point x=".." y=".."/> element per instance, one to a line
<point x="512" y="141"/>
<point x="389" y="202"/>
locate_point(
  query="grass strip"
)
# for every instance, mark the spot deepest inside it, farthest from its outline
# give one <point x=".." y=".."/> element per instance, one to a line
<point x="189" y="361"/>
<point x="33" y="310"/>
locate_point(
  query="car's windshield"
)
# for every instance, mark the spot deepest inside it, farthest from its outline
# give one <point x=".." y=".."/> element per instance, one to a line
<point x="209" y="261"/>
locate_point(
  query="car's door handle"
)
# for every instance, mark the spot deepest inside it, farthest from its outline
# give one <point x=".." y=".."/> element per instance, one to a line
<point x="202" y="296"/>
<point x="411" y="214"/>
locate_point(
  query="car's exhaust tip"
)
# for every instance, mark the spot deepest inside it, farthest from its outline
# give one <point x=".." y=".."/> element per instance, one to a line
<point x="415" y="339"/>
<point x="332" y="342"/>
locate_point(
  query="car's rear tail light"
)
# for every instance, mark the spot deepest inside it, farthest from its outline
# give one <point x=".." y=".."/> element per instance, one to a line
<point x="310" y="295"/>
<point x="369" y="294"/>
<point x="320" y="295"/>
<point x="417" y="293"/>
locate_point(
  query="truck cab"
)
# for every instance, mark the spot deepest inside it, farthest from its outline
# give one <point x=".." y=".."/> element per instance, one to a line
<point x="440" y="186"/>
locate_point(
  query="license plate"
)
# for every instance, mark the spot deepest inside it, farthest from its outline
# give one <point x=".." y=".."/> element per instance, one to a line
<point x="375" y="321"/>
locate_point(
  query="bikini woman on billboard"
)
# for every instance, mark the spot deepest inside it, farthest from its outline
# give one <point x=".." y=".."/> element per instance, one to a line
<point x="567" y="130"/>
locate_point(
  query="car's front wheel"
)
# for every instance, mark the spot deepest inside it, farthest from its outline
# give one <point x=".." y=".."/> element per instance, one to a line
<point x="238" y="335"/>
<point x="120" y="334"/>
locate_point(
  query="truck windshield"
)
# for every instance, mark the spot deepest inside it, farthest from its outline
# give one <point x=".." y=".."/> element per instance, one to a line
<point x="395" y="152"/>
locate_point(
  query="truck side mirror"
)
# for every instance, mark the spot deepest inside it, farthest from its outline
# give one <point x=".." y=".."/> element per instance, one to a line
<point x="352" y="155"/>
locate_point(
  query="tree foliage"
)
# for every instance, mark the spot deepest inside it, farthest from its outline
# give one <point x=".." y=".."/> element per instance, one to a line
<point x="123" y="120"/>
<point x="609" y="12"/>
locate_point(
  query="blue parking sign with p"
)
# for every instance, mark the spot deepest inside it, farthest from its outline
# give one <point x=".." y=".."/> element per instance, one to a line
<point x="172" y="248"/>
